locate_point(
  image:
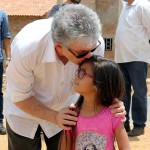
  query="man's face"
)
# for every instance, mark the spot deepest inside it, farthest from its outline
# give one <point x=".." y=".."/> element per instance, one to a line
<point x="76" y="1"/>
<point x="76" y="52"/>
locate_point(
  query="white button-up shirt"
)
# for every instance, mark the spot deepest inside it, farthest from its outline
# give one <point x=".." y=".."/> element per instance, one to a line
<point x="132" y="41"/>
<point x="35" y="70"/>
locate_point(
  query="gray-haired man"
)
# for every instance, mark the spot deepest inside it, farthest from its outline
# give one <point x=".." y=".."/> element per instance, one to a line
<point x="45" y="55"/>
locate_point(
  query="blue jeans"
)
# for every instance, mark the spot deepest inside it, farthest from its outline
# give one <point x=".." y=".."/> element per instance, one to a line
<point x="135" y="74"/>
<point x="1" y="93"/>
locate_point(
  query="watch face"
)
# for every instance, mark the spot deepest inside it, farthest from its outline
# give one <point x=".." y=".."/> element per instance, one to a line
<point x="76" y="1"/>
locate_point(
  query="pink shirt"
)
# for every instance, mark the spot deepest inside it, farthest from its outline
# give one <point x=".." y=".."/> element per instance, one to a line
<point x="97" y="132"/>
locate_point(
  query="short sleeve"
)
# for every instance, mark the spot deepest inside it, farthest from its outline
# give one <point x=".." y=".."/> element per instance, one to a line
<point x="5" y="27"/>
<point x="145" y="11"/>
<point x="116" y="122"/>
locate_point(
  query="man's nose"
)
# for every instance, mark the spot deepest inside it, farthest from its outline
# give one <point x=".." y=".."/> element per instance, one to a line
<point x="88" y="55"/>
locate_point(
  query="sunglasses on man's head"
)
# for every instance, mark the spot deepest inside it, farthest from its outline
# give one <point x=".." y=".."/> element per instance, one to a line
<point x="84" y="54"/>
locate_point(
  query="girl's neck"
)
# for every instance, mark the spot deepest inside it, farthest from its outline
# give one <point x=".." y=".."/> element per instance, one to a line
<point x="89" y="108"/>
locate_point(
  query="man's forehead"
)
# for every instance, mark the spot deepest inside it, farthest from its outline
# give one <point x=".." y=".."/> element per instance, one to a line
<point x="80" y="48"/>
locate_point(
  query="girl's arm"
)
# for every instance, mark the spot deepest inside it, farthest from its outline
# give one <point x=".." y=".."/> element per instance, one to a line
<point x="122" y="138"/>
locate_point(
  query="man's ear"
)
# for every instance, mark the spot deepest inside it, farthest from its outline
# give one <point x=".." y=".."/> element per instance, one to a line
<point x="58" y="47"/>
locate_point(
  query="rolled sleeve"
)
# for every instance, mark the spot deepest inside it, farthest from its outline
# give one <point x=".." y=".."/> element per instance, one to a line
<point x="20" y="76"/>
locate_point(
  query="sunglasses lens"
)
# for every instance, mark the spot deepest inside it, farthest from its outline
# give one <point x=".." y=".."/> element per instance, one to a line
<point x="81" y="56"/>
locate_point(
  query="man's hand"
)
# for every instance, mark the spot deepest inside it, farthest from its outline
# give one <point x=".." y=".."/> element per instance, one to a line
<point x="66" y="118"/>
<point x="118" y="108"/>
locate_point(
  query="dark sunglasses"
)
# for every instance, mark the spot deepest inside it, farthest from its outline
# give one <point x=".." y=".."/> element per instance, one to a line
<point x="84" y="54"/>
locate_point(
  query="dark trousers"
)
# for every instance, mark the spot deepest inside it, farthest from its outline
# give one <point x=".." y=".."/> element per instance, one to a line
<point x="1" y="93"/>
<point x="135" y="74"/>
<point x="17" y="142"/>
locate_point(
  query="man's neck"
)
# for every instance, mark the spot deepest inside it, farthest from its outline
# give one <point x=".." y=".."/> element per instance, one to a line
<point x="62" y="58"/>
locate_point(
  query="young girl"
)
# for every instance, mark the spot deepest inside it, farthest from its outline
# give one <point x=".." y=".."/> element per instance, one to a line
<point x="98" y="81"/>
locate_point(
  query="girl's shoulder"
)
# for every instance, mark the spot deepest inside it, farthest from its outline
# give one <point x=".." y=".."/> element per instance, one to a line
<point x="112" y="115"/>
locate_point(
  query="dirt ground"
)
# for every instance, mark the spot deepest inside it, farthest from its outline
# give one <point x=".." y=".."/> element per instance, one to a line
<point x="137" y="143"/>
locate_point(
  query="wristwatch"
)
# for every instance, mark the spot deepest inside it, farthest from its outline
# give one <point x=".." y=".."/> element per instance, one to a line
<point x="8" y="58"/>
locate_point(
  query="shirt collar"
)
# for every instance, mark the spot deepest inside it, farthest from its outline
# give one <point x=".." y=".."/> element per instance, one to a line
<point x="50" y="53"/>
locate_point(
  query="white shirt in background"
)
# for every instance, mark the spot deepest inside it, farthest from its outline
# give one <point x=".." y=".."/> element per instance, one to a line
<point x="132" y="41"/>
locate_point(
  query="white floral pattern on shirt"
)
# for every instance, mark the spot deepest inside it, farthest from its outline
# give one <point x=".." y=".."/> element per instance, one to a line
<point x="90" y="141"/>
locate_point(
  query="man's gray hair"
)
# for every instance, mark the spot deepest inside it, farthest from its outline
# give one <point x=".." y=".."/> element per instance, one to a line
<point x="76" y="23"/>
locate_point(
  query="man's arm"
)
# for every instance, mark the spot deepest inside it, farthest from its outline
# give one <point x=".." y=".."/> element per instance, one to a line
<point x="143" y="13"/>
<point x="64" y="118"/>
<point x="6" y="44"/>
<point x="6" y="37"/>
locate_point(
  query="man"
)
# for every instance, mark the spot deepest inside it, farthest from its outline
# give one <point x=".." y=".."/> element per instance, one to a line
<point x="55" y="8"/>
<point x="123" y="3"/>
<point x="45" y="55"/>
<point x="4" y="44"/>
<point x="133" y="55"/>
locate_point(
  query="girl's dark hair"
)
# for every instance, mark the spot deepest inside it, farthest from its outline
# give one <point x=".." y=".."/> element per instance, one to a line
<point x="108" y="80"/>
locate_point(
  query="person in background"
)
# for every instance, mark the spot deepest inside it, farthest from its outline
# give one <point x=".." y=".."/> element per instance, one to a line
<point x="98" y="81"/>
<point x="4" y="44"/>
<point x="132" y="53"/>
<point x="45" y="56"/>
<point x="55" y="8"/>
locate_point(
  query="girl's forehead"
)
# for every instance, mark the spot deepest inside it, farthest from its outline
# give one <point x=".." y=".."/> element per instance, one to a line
<point x="86" y="64"/>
